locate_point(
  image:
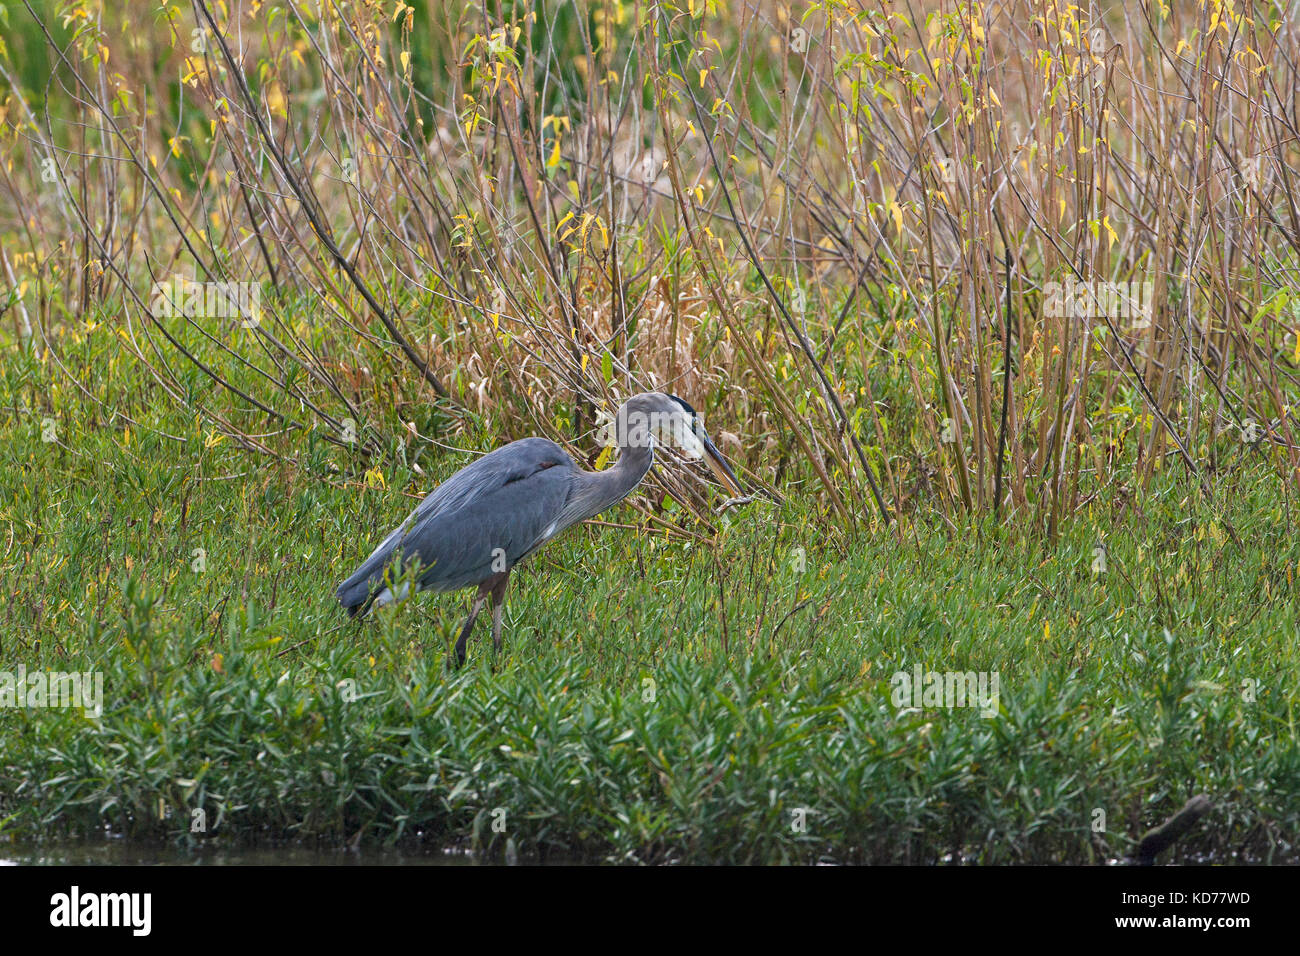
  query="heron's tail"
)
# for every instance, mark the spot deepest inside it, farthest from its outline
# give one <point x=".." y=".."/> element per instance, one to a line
<point x="358" y="592"/>
<point x="355" y="595"/>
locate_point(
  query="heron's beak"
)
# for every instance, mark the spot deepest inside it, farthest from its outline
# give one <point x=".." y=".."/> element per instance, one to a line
<point x="721" y="470"/>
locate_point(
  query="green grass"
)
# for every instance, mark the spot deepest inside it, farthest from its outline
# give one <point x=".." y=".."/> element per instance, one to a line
<point x="656" y="701"/>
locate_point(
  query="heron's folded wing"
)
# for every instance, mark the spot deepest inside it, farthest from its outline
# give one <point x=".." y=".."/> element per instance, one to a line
<point x="485" y="517"/>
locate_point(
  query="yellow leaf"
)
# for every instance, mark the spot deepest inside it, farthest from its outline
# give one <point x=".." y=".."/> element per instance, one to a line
<point x="275" y="101"/>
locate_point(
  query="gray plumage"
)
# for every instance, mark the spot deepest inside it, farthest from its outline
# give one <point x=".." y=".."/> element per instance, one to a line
<point x="486" y="518"/>
<point x="513" y="499"/>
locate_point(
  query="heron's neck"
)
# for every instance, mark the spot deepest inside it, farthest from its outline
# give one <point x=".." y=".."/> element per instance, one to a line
<point x="605" y="488"/>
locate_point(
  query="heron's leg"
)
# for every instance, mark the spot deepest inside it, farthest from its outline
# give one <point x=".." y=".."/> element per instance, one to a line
<point x="479" y="598"/>
<point x="498" y="603"/>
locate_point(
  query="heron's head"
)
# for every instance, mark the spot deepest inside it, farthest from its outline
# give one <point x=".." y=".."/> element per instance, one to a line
<point x="669" y="420"/>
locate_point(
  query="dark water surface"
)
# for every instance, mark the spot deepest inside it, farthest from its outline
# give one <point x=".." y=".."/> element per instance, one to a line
<point x="123" y="853"/>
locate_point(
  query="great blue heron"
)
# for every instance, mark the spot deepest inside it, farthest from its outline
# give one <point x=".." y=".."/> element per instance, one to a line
<point x="482" y="521"/>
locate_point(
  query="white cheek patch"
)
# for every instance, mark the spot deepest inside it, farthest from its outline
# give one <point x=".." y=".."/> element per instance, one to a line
<point x="689" y="442"/>
<point x="675" y="431"/>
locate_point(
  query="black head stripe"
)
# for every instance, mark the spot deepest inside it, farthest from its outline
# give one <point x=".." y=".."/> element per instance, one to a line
<point x="682" y="402"/>
<point x="691" y="413"/>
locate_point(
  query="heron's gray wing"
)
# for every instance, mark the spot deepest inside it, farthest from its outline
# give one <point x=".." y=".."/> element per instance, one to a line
<point x="486" y="516"/>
